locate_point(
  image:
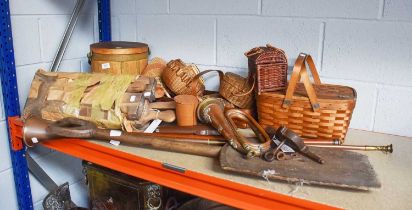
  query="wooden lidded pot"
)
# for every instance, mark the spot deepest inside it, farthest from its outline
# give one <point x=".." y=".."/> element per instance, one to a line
<point x="118" y="57"/>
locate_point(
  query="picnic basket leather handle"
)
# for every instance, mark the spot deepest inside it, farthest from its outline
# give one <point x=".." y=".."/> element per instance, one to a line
<point x="300" y="72"/>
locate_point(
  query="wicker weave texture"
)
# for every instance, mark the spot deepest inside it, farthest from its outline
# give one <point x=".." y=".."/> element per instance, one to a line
<point x="271" y="77"/>
<point x="270" y="66"/>
<point x="177" y="77"/>
<point x="331" y="121"/>
<point x="235" y="88"/>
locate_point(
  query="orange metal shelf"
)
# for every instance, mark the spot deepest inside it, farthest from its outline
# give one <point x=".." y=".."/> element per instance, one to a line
<point x="220" y="190"/>
<point x="203" y="176"/>
<point x="200" y="184"/>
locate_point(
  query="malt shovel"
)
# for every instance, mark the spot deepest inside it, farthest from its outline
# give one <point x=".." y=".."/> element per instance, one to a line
<point x="343" y="169"/>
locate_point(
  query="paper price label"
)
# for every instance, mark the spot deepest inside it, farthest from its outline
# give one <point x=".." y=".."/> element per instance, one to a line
<point x="114" y="142"/>
<point x="115" y="133"/>
<point x="132" y="98"/>
<point x="34" y="140"/>
<point x="105" y="65"/>
<point x="152" y="127"/>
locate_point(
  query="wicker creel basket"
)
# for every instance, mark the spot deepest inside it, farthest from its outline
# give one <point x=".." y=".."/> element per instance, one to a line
<point x="177" y="76"/>
<point x="320" y="111"/>
<point x="270" y="65"/>
<point x="234" y="88"/>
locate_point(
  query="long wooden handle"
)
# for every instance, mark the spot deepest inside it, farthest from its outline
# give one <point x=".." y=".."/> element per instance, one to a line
<point x="160" y="143"/>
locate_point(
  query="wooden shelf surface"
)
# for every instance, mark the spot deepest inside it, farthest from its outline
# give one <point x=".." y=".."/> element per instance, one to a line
<point x="203" y="177"/>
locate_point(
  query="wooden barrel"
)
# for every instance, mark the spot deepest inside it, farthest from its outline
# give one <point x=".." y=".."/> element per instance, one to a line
<point x="119" y="57"/>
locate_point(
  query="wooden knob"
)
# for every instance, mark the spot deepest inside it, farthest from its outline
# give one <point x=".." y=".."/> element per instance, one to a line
<point x="167" y="116"/>
<point x="163" y="105"/>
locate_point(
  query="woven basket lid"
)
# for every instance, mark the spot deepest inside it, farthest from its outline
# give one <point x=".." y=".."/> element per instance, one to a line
<point x="119" y="47"/>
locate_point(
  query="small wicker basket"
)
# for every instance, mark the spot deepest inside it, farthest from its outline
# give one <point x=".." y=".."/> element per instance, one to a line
<point x="234" y="88"/>
<point x="177" y="76"/>
<point x="270" y="65"/>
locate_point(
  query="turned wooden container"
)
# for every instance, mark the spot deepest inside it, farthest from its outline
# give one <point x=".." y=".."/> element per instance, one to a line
<point x="118" y="57"/>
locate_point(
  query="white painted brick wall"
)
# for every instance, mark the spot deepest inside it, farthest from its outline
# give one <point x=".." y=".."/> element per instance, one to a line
<point x="2" y="117"/>
<point x="366" y="9"/>
<point x="26" y="39"/>
<point x="51" y="32"/>
<point x="61" y="168"/>
<point x="398" y="9"/>
<point x="369" y="51"/>
<point x="191" y="39"/>
<point x="393" y="111"/>
<point x="364" y="44"/>
<point x="124" y="28"/>
<point x="7" y="191"/>
<point x="152" y="6"/>
<point x="236" y="35"/>
<point x="214" y="7"/>
<point x="41" y="7"/>
<point x="5" y="162"/>
<point x="122" y="7"/>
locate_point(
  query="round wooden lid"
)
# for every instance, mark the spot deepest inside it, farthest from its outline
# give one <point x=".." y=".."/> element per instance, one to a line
<point x="119" y="47"/>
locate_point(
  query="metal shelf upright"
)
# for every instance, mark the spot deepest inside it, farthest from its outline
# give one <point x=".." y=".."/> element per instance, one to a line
<point x="11" y="96"/>
<point x="11" y="106"/>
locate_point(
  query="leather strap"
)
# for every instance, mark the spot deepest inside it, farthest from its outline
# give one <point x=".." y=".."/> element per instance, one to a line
<point x="299" y="71"/>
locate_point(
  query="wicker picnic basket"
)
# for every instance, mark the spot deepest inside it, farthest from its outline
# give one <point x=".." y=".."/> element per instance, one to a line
<point x="320" y="111"/>
<point x="234" y="88"/>
<point x="177" y="76"/>
<point x="270" y="65"/>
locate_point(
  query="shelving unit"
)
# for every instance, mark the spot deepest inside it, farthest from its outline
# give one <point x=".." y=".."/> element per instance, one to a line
<point x="201" y="176"/>
<point x="11" y="96"/>
<point x="12" y="107"/>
